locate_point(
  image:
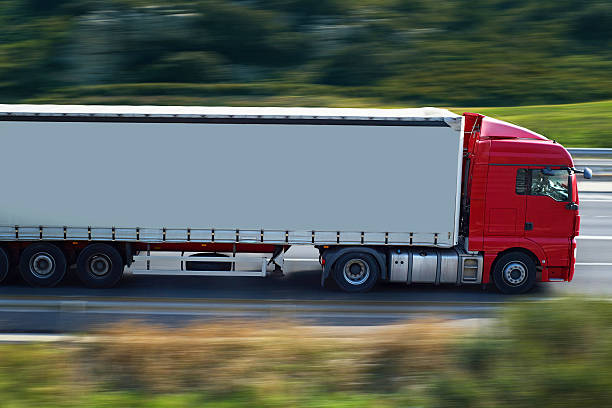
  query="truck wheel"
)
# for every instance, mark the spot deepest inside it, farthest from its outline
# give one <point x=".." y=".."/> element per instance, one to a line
<point x="356" y="272"/>
<point x="42" y="264"/>
<point x="4" y="265"/>
<point x="99" y="266"/>
<point x="514" y="273"/>
<point x="208" y="266"/>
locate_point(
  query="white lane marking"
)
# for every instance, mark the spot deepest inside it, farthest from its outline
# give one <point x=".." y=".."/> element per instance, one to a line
<point x="595" y="237"/>
<point x="596" y="200"/>
<point x="603" y="216"/>
<point x="32" y="338"/>
<point x="593" y="263"/>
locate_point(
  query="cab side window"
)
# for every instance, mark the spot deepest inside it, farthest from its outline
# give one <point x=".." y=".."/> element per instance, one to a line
<point x="535" y="182"/>
<point x="522" y="181"/>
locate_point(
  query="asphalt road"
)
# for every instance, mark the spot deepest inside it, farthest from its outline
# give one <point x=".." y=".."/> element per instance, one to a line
<point x="179" y="300"/>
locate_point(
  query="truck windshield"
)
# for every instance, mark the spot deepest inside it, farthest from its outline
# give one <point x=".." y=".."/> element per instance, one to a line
<point x="554" y="185"/>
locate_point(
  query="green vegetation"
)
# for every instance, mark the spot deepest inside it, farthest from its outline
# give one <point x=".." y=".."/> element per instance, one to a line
<point x="394" y="52"/>
<point x="573" y="125"/>
<point x="338" y="53"/>
<point x="554" y="353"/>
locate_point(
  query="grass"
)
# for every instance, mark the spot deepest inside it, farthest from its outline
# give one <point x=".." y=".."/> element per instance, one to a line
<point x="573" y="125"/>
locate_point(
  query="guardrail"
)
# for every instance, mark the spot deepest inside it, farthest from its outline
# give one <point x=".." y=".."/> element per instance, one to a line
<point x="579" y="152"/>
<point x="599" y="160"/>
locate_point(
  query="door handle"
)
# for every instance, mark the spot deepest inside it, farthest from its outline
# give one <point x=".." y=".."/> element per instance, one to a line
<point x="528" y="226"/>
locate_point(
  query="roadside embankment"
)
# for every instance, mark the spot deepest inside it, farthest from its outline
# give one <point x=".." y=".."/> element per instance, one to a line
<point x="549" y="353"/>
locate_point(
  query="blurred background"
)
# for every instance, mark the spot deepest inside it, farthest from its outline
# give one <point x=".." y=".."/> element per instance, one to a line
<point x="546" y="65"/>
<point x="339" y="53"/>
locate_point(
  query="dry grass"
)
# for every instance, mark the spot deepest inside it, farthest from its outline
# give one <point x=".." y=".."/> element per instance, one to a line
<point x="270" y="357"/>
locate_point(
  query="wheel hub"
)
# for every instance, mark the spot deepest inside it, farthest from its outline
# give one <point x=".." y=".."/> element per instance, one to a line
<point x="356" y="271"/>
<point x="42" y="265"/>
<point x="100" y="265"/>
<point x="515" y="273"/>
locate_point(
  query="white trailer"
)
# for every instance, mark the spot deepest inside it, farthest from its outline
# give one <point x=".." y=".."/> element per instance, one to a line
<point x="144" y="178"/>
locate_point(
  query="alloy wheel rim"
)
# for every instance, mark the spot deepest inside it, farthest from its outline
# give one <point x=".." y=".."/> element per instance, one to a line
<point x="515" y="273"/>
<point x="42" y="265"/>
<point x="100" y="265"/>
<point x="356" y="272"/>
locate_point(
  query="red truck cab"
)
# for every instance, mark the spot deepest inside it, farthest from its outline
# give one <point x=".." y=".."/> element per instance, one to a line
<point x="522" y="200"/>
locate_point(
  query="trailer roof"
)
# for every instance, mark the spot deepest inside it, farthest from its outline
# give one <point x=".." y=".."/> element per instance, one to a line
<point x="225" y="112"/>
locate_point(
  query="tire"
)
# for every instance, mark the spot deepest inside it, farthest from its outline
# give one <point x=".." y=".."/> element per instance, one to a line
<point x="356" y="272"/>
<point x="514" y="273"/>
<point x="4" y="265"/>
<point x="99" y="266"/>
<point x="208" y="266"/>
<point x="42" y="264"/>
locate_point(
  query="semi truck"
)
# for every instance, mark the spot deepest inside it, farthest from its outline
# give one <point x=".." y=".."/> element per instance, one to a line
<point x="399" y="195"/>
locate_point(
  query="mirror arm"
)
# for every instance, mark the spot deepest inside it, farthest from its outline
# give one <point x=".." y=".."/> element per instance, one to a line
<point x="572" y="206"/>
<point x="586" y="172"/>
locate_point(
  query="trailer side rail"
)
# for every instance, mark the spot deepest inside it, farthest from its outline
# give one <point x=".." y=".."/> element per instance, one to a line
<point x="179" y="235"/>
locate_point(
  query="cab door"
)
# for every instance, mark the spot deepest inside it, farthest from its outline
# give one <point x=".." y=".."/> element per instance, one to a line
<point x="551" y="214"/>
<point x="505" y="206"/>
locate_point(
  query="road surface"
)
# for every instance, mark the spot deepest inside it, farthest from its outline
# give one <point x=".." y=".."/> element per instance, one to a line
<point x="179" y="300"/>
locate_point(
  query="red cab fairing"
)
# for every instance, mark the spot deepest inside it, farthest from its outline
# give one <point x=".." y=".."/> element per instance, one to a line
<point x="501" y="216"/>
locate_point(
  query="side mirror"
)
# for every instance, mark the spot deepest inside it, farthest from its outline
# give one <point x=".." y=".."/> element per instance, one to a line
<point x="588" y="173"/>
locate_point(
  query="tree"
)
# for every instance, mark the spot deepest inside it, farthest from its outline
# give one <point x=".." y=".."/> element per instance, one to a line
<point x="595" y="24"/>
<point x="188" y="66"/>
<point x="355" y="65"/>
<point x="247" y="35"/>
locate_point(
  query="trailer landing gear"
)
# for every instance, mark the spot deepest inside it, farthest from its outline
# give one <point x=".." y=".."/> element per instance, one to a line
<point x="278" y="258"/>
